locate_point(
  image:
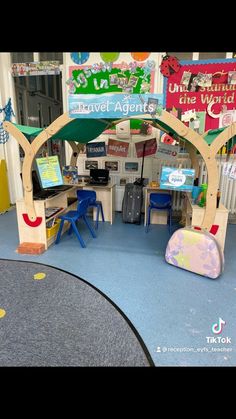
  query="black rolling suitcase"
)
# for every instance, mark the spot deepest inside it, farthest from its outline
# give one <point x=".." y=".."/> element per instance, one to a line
<point x="132" y="204"/>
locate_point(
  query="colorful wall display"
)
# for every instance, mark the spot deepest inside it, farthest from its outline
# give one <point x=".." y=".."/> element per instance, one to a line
<point x="108" y="77"/>
<point x="114" y="105"/>
<point x="35" y="68"/>
<point x="177" y="179"/>
<point x="202" y="86"/>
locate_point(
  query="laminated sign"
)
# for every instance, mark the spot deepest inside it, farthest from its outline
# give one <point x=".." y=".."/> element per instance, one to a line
<point x="167" y="152"/>
<point x="150" y="147"/>
<point x="96" y="149"/>
<point x="117" y="148"/>
<point x="177" y="179"/>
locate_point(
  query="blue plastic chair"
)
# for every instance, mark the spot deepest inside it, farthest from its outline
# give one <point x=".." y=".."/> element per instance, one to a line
<point x="160" y="201"/>
<point x="73" y="217"/>
<point x="83" y="193"/>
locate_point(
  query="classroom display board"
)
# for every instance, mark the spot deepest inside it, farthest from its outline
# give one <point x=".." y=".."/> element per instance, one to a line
<point x="203" y="94"/>
<point x="49" y="171"/>
<point x="108" y="77"/>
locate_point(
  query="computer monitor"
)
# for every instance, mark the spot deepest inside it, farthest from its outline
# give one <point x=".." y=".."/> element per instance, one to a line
<point x="99" y="175"/>
<point x="49" y="171"/>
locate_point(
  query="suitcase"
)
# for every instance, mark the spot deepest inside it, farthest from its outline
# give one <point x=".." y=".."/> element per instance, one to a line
<point x="195" y="250"/>
<point x="132" y="203"/>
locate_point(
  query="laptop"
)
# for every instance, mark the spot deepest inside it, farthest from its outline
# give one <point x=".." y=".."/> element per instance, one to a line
<point x="38" y="191"/>
<point x="99" y="177"/>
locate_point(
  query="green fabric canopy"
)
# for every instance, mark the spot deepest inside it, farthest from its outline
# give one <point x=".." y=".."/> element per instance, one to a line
<point x="79" y="130"/>
<point x="212" y="134"/>
<point x="85" y="130"/>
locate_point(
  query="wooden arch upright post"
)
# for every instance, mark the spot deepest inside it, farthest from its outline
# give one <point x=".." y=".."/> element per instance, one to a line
<point x="31" y="151"/>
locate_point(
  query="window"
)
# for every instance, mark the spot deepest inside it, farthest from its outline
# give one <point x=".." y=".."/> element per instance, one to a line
<point x="32" y="83"/>
<point x="41" y="84"/>
<point x="182" y="55"/>
<point x="51" y="92"/>
<point x="211" y="55"/>
<point x="51" y="56"/>
<point x="58" y="86"/>
<point x="22" y="57"/>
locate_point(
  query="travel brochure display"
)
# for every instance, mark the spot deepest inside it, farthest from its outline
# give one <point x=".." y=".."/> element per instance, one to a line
<point x="177" y="179"/>
<point x="49" y="171"/>
<point x="70" y="174"/>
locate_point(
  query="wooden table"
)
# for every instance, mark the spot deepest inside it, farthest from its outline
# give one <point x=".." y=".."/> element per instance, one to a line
<point x="194" y="217"/>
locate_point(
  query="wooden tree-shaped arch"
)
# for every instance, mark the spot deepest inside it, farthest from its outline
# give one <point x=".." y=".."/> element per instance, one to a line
<point x="208" y="153"/>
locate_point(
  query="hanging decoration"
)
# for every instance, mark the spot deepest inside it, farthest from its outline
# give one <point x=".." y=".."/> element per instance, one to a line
<point x="169" y="65"/>
<point x="8" y="111"/>
<point x="79" y="57"/>
<point x="109" y="56"/>
<point x="140" y="56"/>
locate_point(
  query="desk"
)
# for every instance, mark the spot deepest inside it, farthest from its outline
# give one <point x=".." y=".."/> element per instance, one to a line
<point x="157" y="217"/>
<point x="29" y="234"/>
<point x="194" y="216"/>
<point x="38" y="234"/>
<point x="105" y="194"/>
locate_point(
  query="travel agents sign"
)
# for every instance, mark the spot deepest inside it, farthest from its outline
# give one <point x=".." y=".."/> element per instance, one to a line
<point x="114" y="105"/>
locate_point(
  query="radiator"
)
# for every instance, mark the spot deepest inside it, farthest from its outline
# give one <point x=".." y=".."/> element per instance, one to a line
<point x="227" y="186"/>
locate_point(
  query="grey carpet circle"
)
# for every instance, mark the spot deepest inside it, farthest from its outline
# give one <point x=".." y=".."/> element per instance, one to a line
<point x="62" y="320"/>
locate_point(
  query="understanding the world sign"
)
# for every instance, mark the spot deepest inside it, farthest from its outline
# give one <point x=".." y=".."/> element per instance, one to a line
<point x="114" y="105"/>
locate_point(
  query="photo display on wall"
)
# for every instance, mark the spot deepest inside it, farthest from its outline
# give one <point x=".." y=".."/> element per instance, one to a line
<point x="109" y="77"/>
<point x="206" y="88"/>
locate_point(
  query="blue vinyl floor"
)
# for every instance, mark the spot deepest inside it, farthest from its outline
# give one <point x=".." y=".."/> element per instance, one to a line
<point x="173" y="310"/>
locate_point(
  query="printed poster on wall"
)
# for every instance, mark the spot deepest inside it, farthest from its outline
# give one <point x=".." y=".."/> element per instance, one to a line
<point x="117" y="148"/>
<point x="167" y="151"/>
<point x="150" y="147"/>
<point x="208" y="88"/>
<point x="177" y="179"/>
<point x="96" y="149"/>
<point x="109" y="77"/>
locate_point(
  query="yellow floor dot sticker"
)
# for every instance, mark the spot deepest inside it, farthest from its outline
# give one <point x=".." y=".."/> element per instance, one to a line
<point x="39" y="275"/>
<point x="2" y="313"/>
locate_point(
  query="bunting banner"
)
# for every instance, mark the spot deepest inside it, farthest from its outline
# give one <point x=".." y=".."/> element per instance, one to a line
<point x="117" y="148"/>
<point x="96" y="149"/>
<point x="150" y="148"/>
